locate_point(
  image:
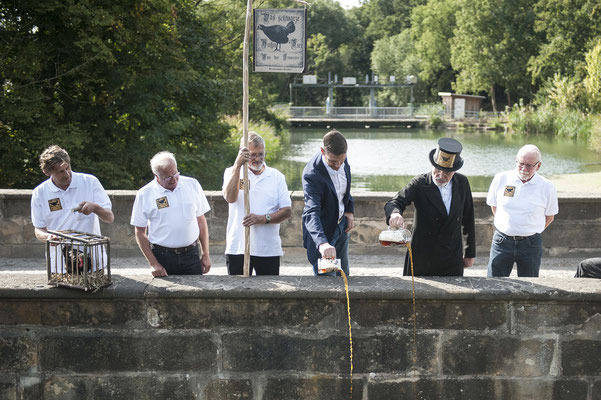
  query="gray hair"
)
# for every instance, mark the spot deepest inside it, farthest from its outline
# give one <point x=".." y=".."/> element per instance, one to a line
<point x="162" y="160"/>
<point x="529" y="149"/>
<point x="254" y="138"/>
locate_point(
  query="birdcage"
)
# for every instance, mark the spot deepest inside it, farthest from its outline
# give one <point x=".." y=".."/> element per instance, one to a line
<point x="78" y="260"/>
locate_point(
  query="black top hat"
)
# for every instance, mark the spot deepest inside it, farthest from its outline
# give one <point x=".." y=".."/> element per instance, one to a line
<point x="446" y="156"/>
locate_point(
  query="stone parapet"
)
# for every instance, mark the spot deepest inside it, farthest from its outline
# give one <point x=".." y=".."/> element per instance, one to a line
<point x="273" y="338"/>
<point x="574" y="233"/>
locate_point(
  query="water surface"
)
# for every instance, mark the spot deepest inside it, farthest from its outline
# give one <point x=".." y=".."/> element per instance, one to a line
<point x="387" y="159"/>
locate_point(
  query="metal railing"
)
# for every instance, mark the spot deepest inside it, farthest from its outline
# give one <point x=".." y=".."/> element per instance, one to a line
<point x="353" y="112"/>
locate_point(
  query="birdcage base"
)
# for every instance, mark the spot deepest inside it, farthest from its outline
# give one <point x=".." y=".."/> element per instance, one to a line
<point x="96" y="280"/>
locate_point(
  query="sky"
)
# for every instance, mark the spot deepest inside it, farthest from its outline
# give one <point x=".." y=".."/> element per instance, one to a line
<point x="349" y="3"/>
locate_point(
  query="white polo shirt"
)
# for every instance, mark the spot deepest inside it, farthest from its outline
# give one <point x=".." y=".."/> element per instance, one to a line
<point x="268" y="193"/>
<point x="521" y="207"/>
<point x="171" y="216"/>
<point x="51" y="206"/>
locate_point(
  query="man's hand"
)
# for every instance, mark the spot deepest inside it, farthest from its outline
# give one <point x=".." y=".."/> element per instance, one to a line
<point x="87" y="207"/>
<point x="468" y="262"/>
<point x="158" y="270"/>
<point x="253" y="219"/>
<point x="396" y="220"/>
<point x="327" y="251"/>
<point x="243" y="157"/>
<point x="350" y="218"/>
<point x="205" y="262"/>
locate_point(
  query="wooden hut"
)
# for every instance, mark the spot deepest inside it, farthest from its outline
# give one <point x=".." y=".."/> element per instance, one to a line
<point x="461" y="106"/>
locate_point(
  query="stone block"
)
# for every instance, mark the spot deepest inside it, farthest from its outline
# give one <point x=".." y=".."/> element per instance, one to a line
<point x="74" y="313"/>
<point x="17" y="353"/>
<point x="596" y="390"/>
<point x="211" y="313"/>
<point x="92" y="313"/>
<point x="580" y="317"/>
<point x="229" y="389"/>
<point x="418" y="389"/>
<point x="250" y="352"/>
<point x="540" y="389"/>
<point x="580" y="357"/>
<point x="100" y="351"/>
<point x="499" y="355"/>
<point x="394" y="352"/>
<point x="431" y="314"/>
<point x="8" y="387"/>
<point x="90" y="387"/>
<point x="318" y="387"/>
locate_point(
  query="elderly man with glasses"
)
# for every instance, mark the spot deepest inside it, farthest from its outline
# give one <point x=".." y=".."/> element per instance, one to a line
<point x="523" y="204"/>
<point x="444" y="212"/>
<point x="270" y="205"/>
<point x="168" y="216"/>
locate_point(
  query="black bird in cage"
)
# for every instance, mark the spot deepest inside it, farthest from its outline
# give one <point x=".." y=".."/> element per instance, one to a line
<point x="74" y="260"/>
<point x="278" y="33"/>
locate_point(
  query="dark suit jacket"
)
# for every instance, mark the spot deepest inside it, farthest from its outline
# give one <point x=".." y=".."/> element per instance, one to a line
<point x="437" y="242"/>
<point x="320" y="215"/>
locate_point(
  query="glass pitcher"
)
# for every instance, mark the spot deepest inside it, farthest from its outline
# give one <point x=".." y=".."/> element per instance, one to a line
<point x="325" y="265"/>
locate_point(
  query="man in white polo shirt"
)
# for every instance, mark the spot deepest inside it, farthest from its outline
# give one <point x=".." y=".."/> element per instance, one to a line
<point x="523" y="204"/>
<point x="168" y="215"/>
<point x="67" y="200"/>
<point x="269" y="205"/>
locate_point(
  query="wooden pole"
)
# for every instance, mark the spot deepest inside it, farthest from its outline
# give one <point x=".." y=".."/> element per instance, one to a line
<point x="249" y="7"/>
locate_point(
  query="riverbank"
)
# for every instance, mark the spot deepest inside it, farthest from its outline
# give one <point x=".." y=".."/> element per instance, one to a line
<point x="587" y="182"/>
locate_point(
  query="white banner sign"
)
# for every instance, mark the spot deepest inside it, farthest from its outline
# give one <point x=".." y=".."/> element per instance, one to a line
<point x="280" y="40"/>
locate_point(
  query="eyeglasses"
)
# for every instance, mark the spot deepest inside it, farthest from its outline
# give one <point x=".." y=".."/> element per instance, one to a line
<point x="257" y="155"/>
<point x="169" y="178"/>
<point x="528" y="166"/>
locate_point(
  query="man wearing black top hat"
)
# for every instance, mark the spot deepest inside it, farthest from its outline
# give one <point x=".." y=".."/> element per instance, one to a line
<point x="443" y="206"/>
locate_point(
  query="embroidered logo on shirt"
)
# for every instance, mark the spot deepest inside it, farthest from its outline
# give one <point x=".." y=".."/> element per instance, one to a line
<point x="55" y="204"/>
<point x="162" y="202"/>
<point x="509" y="191"/>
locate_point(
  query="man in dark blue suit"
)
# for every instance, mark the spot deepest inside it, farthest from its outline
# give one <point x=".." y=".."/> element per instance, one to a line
<point x="328" y="212"/>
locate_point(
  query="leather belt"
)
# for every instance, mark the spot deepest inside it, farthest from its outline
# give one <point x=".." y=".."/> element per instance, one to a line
<point x="515" y="237"/>
<point x="176" y="250"/>
<point x="341" y="218"/>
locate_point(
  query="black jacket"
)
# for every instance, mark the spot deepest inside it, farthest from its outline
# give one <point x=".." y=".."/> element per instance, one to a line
<point x="437" y="242"/>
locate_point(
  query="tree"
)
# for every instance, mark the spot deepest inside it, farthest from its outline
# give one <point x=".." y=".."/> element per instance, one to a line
<point x="567" y="30"/>
<point x="113" y="83"/>
<point x="492" y="43"/>
<point x="432" y="27"/>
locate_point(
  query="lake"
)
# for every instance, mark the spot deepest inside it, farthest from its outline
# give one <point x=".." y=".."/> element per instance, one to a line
<point x="386" y="159"/>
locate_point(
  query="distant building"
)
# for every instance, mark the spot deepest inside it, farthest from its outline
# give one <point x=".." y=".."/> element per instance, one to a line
<point x="460" y="106"/>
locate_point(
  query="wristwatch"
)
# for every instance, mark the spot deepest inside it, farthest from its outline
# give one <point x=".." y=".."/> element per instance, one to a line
<point x="267" y="218"/>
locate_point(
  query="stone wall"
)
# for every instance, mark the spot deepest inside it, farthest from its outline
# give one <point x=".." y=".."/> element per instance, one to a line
<point x="575" y="231"/>
<point x="274" y="338"/>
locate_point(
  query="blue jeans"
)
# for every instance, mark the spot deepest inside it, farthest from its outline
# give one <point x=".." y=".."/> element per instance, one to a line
<point x="505" y="250"/>
<point x="340" y="242"/>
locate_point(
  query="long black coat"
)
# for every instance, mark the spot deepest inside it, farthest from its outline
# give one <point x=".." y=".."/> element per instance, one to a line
<point x="437" y="242"/>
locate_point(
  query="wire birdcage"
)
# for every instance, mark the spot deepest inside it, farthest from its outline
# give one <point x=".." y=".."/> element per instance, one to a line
<point x="78" y="260"/>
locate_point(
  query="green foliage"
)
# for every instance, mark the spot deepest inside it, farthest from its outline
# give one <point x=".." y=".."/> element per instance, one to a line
<point x="592" y="82"/>
<point x="547" y="120"/>
<point x="435" y="113"/>
<point x="492" y="44"/>
<point x="113" y="83"/>
<point x="432" y="27"/>
<point x="565" y="29"/>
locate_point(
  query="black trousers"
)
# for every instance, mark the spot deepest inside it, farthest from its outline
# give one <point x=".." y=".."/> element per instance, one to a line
<point x="589" y="268"/>
<point x="187" y="263"/>
<point x="261" y="265"/>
